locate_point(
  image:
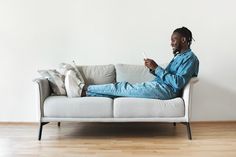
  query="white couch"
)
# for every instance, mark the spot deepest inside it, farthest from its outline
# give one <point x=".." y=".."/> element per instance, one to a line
<point x="103" y="109"/>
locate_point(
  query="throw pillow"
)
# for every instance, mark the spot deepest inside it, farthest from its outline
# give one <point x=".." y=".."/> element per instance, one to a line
<point x="56" y="81"/>
<point x="65" y="67"/>
<point x="74" y="81"/>
<point x="64" y="73"/>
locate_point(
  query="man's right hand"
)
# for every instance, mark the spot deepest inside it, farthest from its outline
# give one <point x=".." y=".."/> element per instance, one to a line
<point x="151" y="64"/>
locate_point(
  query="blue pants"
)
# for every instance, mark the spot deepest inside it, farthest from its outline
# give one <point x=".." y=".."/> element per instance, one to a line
<point x="150" y="89"/>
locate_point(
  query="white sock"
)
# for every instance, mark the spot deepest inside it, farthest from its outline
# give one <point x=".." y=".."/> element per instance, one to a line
<point x="73" y="84"/>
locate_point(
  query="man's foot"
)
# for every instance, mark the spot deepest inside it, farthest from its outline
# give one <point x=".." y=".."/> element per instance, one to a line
<point x="73" y="84"/>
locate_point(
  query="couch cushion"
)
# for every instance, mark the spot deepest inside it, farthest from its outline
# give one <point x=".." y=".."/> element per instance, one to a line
<point x="147" y="108"/>
<point x="56" y="81"/>
<point x="80" y="107"/>
<point x="133" y="73"/>
<point x="98" y="74"/>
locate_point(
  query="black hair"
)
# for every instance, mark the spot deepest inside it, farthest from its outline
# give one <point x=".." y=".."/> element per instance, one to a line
<point x="185" y="32"/>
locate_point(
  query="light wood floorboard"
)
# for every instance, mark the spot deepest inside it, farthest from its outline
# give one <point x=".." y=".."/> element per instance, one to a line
<point x="118" y="140"/>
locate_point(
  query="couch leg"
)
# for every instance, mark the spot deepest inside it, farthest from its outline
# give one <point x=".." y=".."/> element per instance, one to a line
<point x="174" y="124"/>
<point x="188" y="130"/>
<point x="59" y="124"/>
<point x="41" y="129"/>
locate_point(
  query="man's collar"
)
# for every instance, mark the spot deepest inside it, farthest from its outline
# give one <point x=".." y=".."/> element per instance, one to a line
<point x="179" y="53"/>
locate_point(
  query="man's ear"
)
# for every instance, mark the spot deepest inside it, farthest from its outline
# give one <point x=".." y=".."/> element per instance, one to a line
<point x="183" y="39"/>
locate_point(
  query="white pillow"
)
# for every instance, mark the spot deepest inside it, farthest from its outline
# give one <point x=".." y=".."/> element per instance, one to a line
<point x="56" y="79"/>
<point x="74" y="81"/>
<point x="65" y="67"/>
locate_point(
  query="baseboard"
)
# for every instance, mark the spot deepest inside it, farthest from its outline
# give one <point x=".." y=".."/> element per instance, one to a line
<point x="19" y="123"/>
<point x="217" y="121"/>
<point x="194" y="122"/>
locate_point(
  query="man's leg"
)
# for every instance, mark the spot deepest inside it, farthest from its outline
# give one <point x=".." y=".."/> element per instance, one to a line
<point x="73" y="84"/>
<point x="125" y="89"/>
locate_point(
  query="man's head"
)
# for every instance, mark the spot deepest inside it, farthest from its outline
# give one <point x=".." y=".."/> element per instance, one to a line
<point x="181" y="39"/>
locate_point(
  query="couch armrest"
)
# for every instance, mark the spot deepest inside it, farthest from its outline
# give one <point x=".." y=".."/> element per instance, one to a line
<point x="43" y="90"/>
<point x="187" y="97"/>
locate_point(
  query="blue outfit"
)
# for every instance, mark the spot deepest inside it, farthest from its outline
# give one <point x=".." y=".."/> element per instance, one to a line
<point x="168" y="83"/>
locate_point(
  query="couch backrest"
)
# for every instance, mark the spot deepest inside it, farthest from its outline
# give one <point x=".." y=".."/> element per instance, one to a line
<point x="133" y="73"/>
<point x="102" y="74"/>
<point x="98" y="74"/>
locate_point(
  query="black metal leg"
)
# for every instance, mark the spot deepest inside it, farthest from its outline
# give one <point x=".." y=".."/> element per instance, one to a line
<point x="174" y="124"/>
<point x="188" y="129"/>
<point x="41" y="129"/>
<point x="59" y="124"/>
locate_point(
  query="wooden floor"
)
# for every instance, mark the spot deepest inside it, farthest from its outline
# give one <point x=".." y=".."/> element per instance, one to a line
<point x="118" y="140"/>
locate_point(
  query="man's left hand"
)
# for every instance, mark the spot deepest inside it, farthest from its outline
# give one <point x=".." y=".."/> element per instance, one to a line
<point x="151" y="64"/>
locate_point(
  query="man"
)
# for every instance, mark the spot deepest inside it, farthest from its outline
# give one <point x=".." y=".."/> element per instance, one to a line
<point x="168" y="83"/>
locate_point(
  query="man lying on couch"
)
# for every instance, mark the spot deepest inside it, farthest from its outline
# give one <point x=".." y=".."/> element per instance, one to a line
<point x="168" y="83"/>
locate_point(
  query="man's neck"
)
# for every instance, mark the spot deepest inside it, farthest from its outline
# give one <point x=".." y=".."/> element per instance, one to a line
<point x="184" y="49"/>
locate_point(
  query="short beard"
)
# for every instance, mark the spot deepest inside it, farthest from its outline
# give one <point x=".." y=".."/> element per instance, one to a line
<point x="175" y="51"/>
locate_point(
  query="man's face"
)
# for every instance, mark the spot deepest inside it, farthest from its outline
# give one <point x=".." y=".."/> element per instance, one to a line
<point x="176" y="43"/>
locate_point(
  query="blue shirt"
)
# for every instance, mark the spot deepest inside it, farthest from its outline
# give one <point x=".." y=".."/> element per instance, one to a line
<point x="178" y="72"/>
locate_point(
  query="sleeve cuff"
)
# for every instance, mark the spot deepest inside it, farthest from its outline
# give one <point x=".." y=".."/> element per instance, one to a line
<point x="152" y="71"/>
<point x="159" y="71"/>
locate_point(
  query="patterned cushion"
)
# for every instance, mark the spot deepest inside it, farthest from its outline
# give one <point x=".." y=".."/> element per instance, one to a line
<point x="91" y="74"/>
<point x="57" y="77"/>
<point x="56" y="81"/>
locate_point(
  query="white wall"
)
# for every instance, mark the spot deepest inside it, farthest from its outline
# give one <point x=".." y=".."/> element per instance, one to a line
<point x="39" y="34"/>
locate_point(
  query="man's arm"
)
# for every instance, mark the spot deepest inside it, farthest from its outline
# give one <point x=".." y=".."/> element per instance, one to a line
<point x="152" y="72"/>
<point x="181" y="77"/>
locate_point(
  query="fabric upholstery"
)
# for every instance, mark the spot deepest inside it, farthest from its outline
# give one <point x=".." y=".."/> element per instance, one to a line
<point x="147" y="108"/>
<point x="56" y="81"/>
<point x="100" y="108"/>
<point x="43" y="90"/>
<point x="80" y="107"/>
<point x="74" y="81"/>
<point x="63" y="68"/>
<point x="98" y="74"/>
<point x="133" y="73"/>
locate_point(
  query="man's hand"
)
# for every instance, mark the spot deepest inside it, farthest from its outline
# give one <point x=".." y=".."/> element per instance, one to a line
<point x="151" y="64"/>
